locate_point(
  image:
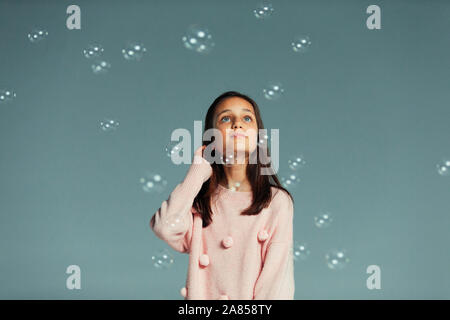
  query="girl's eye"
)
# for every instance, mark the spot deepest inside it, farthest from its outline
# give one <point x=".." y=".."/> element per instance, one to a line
<point x="224" y="119"/>
<point x="247" y="118"/>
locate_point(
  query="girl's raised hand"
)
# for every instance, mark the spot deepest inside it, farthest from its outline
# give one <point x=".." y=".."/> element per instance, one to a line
<point x="202" y="163"/>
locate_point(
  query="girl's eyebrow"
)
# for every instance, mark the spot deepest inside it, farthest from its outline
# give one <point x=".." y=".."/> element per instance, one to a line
<point x="230" y="110"/>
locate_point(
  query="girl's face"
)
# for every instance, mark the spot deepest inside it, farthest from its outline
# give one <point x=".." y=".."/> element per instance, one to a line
<point x="235" y="119"/>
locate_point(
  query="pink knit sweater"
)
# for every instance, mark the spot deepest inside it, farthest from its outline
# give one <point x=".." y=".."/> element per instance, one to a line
<point x="236" y="257"/>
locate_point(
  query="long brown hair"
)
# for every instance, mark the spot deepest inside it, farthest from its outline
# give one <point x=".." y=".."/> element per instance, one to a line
<point x="261" y="184"/>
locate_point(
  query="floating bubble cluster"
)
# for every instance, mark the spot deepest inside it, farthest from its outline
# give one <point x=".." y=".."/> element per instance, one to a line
<point x="290" y="180"/>
<point x="93" y="51"/>
<point x="301" y="44"/>
<point x="153" y="182"/>
<point x="301" y="251"/>
<point x="6" y="96"/>
<point x="37" y="35"/>
<point x="173" y="148"/>
<point x="443" y="167"/>
<point x="263" y="10"/>
<point x="273" y="91"/>
<point x="162" y="259"/>
<point x="296" y="162"/>
<point x="323" y="220"/>
<point x="337" y="259"/>
<point x="199" y="39"/>
<point x="134" y="51"/>
<point x="109" y="124"/>
<point x="100" y="67"/>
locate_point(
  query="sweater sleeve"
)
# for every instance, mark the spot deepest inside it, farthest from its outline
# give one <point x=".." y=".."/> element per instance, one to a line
<point x="276" y="279"/>
<point x="173" y="221"/>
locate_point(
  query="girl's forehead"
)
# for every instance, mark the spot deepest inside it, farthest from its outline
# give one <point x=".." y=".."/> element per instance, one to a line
<point x="234" y="104"/>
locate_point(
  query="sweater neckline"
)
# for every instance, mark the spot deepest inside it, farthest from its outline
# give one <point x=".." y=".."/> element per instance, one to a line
<point x="234" y="192"/>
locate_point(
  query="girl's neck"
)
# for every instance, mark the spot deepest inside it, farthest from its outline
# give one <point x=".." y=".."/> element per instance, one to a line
<point x="236" y="176"/>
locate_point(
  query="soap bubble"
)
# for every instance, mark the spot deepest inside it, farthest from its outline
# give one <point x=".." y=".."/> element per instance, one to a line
<point x="234" y="186"/>
<point x="337" y="259"/>
<point x="273" y="91"/>
<point x="6" y="96"/>
<point x="263" y="140"/>
<point x="296" y="162"/>
<point x="134" y="51"/>
<point x="323" y="220"/>
<point x="443" y="167"/>
<point x="228" y="160"/>
<point x="109" y="125"/>
<point x="198" y="38"/>
<point x="263" y="10"/>
<point x="301" y="251"/>
<point x="301" y="44"/>
<point x="37" y="35"/>
<point x="290" y="180"/>
<point x="162" y="259"/>
<point x="174" y="223"/>
<point x="93" y="51"/>
<point x="100" y="67"/>
<point x="173" y="148"/>
<point x="153" y="182"/>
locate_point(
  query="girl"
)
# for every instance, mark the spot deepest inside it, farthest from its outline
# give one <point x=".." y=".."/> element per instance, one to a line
<point x="235" y="223"/>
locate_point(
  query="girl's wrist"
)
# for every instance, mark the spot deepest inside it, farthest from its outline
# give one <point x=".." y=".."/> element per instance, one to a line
<point x="199" y="169"/>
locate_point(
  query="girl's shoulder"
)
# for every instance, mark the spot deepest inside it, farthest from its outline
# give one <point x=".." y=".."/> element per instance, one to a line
<point x="281" y="207"/>
<point x="280" y="198"/>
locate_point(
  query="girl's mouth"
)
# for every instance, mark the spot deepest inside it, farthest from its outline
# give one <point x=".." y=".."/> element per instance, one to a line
<point x="237" y="135"/>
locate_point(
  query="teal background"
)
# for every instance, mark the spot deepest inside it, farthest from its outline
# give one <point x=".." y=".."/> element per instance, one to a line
<point x="367" y="108"/>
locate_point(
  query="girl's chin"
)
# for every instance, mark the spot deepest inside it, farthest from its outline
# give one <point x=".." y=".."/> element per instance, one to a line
<point x="235" y="150"/>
